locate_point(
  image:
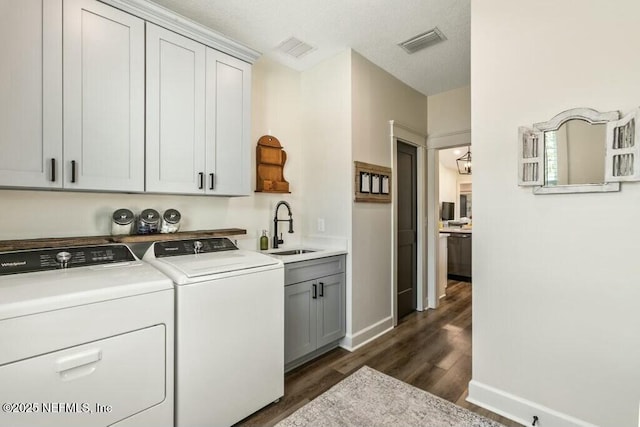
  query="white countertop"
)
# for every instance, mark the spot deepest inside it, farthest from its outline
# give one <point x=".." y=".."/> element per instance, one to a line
<point x="456" y="230"/>
<point x="318" y="253"/>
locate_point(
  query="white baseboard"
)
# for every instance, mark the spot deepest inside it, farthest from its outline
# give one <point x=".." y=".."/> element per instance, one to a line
<point x="352" y="342"/>
<point x="518" y="409"/>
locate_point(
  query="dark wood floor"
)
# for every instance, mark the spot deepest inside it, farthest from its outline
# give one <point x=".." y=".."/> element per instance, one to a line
<point x="430" y="350"/>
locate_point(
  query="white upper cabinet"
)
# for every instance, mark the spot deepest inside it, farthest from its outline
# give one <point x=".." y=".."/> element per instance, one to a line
<point x="175" y="113"/>
<point x="31" y="93"/>
<point x="103" y="98"/>
<point x="96" y="97"/>
<point x="228" y="124"/>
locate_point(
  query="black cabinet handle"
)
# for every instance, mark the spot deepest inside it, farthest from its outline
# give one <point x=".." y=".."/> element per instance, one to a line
<point x="53" y="170"/>
<point x="315" y="291"/>
<point x="212" y="178"/>
<point x="321" y="289"/>
<point x="73" y="171"/>
<point x="201" y="180"/>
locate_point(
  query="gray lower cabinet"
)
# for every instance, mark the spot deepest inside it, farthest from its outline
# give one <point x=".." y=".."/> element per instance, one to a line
<point x="459" y="255"/>
<point x="315" y="308"/>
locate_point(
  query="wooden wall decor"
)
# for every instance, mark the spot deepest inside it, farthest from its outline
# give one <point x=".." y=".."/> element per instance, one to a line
<point x="372" y="183"/>
<point x="270" y="160"/>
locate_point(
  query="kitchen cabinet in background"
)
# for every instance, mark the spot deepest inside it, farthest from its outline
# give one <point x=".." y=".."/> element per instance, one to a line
<point x="315" y="308"/>
<point x="103" y="65"/>
<point x="31" y="87"/>
<point x="459" y="256"/>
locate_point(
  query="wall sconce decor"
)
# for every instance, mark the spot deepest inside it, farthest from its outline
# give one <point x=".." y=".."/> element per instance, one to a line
<point x="464" y="163"/>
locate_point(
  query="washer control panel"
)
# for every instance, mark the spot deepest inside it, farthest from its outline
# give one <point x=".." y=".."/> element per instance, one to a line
<point x="61" y="258"/>
<point x="192" y="246"/>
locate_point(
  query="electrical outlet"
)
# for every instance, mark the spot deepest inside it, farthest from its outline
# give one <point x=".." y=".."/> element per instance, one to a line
<point x="321" y="225"/>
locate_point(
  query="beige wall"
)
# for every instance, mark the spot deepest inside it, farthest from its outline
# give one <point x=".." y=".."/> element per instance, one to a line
<point x="448" y="185"/>
<point x="377" y="98"/>
<point x="555" y="285"/>
<point x="275" y="97"/>
<point x="450" y="111"/>
<point x="326" y="138"/>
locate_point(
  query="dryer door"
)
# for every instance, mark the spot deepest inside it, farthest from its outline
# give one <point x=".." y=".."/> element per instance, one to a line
<point x="94" y="384"/>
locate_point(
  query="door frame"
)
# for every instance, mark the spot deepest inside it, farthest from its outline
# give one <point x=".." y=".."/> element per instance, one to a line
<point x="415" y="138"/>
<point x="435" y="143"/>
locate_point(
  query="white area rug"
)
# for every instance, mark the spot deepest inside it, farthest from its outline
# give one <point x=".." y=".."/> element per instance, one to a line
<point x="370" y="398"/>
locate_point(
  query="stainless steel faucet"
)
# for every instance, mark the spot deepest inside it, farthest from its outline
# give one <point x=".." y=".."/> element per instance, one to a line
<point x="276" y="240"/>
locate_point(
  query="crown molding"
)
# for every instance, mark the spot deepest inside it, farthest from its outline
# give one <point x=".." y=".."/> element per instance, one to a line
<point x="170" y="20"/>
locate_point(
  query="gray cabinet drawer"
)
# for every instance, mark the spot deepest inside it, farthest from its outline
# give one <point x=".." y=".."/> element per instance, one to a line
<point x="297" y="272"/>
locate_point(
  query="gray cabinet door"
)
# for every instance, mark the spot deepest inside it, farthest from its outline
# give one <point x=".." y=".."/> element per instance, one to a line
<point x="176" y="82"/>
<point x="103" y="90"/>
<point x="459" y="255"/>
<point x="331" y="309"/>
<point x="228" y="156"/>
<point x="31" y="88"/>
<point x="453" y="255"/>
<point x="465" y="256"/>
<point x="299" y="320"/>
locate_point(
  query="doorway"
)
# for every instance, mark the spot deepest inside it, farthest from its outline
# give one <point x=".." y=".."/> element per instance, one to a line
<point x="455" y="228"/>
<point x="407" y="242"/>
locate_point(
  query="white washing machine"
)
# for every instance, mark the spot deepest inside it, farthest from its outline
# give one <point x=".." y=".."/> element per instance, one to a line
<point x="229" y="329"/>
<point x="86" y="339"/>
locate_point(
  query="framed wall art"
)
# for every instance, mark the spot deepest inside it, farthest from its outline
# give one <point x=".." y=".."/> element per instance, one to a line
<point x="372" y="183"/>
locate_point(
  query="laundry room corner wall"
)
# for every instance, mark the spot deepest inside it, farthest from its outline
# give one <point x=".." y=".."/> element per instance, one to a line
<point x="377" y="97"/>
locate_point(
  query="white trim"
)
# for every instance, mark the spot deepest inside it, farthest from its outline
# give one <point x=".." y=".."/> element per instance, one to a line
<point x="413" y="137"/>
<point x="518" y="409"/>
<point x="170" y="20"/>
<point x="366" y="335"/>
<point x="607" y="187"/>
<point x="432" y="225"/>
<point x="587" y="114"/>
<point x="449" y="139"/>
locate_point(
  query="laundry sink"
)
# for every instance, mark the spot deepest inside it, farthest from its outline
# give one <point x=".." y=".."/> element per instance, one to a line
<point x="293" y="252"/>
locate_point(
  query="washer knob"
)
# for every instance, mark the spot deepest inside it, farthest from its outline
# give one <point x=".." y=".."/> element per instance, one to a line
<point x="63" y="259"/>
<point x="197" y="247"/>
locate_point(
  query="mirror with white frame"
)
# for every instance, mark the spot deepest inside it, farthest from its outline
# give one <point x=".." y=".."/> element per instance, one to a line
<point x="579" y="151"/>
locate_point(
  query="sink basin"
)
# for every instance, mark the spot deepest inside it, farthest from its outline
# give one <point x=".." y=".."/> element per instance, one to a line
<point x="294" y="252"/>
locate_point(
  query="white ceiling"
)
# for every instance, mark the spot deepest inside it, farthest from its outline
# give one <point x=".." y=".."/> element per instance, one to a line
<point x="448" y="157"/>
<point x="372" y="28"/>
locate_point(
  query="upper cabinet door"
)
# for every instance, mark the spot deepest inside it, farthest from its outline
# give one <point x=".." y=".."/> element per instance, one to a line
<point x="228" y="124"/>
<point x="31" y="93"/>
<point x="103" y="98"/>
<point x="175" y="113"/>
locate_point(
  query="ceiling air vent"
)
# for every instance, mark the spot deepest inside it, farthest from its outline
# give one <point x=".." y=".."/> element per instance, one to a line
<point x="422" y="41"/>
<point x="294" y="47"/>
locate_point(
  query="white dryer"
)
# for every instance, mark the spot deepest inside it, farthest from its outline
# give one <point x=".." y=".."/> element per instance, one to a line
<point x="229" y="329"/>
<point x="86" y="339"/>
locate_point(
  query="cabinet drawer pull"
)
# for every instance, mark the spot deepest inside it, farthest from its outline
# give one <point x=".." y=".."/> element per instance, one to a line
<point x="212" y="181"/>
<point x="321" y="289"/>
<point x="315" y="291"/>
<point x="53" y="170"/>
<point x="73" y="171"/>
<point x="201" y="180"/>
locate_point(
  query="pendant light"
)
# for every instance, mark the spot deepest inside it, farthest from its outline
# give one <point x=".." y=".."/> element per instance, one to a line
<point x="464" y="163"/>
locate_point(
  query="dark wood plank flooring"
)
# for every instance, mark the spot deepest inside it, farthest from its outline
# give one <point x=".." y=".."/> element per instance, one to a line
<point x="430" y="350"/>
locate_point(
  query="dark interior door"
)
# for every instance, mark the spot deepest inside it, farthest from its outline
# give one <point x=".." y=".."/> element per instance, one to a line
<point x="407" y="229"/>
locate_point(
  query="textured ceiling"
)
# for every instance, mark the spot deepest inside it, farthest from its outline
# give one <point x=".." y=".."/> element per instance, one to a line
<point x="372" y="28"/>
